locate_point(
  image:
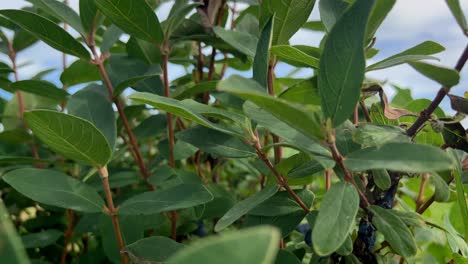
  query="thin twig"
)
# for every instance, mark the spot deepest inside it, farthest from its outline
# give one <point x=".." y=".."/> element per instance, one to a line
<point x="68" y="234"/>
<point x="426" y="113"/>
<point x="348" y="175"/>
<point x="279" y="178"/>
<point x="365" y="111"/>
<point x="328" y="174"/>
<point x="19" y="96"/>
<point x="422" y="188"/>
<point x="133" y="143"/>
<point x="112" y="211"/>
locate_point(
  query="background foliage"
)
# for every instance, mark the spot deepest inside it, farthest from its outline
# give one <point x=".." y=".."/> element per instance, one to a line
<point x="135" y="168"/>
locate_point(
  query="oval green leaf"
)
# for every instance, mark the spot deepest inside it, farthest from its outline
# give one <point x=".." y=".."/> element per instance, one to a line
<point x="394" y="230"/>
<point x="244" y="206"/>
<point x="418" y="52"/>
<point x="178" y="197"/>
<point x="47" y="31"/>
<point x="42" y="88"/>
<point x="135" y="17"/>
<point x="61" y="11"/>
<point x="155" y="249"/>
<point x="335" y="218"/>
<point x="12" y="250"/>
<point x="91" y="104"/>
<point x="292" y="54"/>
<point x="342" y="63"/>
<point x="219" y="144"/>
<point x="304" y="118"/>
<point x="444" y="76"/>
<point x="55" y="188"/>
<point x="70" y="136"/>
<point x="258" y="245"/>
<point x="406" y="157"/>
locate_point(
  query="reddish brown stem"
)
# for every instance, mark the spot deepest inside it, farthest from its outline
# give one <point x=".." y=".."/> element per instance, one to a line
<point x="278" y="150"/>
<point x="279" y="178"/>
<point x="356" y="116"/>
<point x="68" y="234"/>
<point x="19" y="96"/>
<point x="348" y="175"/>
<point x="170" y="129"/>
<point x="167" y="93"/>
<point x="328" y="174"/>
<point x="426" y="113"/>
<point x="200" y="62"/>
<point x="174" y="225"/>
<point x="112" y="211"/>
<point x="422" y="188"/>
<point x="133" y="143"/>
<point x="365" y="111"/>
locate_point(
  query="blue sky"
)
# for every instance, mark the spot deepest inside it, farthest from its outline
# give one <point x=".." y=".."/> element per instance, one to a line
<point x="409" y="23"/>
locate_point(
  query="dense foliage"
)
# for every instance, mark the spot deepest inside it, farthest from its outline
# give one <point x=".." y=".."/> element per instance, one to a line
<point x="139" y="166"/>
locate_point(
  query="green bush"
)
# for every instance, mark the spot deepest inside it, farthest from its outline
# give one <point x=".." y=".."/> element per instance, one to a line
<point x="139" y="166"/>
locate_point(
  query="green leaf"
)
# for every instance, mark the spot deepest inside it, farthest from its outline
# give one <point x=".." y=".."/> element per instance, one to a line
<point x="12" y="250"/>
<point x="331" y="11"/>
<point x="342" y="63"/>
<point x="418" y="52"/>
<point x="143" y="50"/>
<point x="295" y="55"/>
<point x="244" y="206"/>
<point x="41" y="239"/>
<point x="316" y="25"/>
<point x="442" y="190"/>
<point x="11" y="113"/>
<point x="378" y="14"/>
<point x="153" y="249"/>
<point x="250" y="246"/>
<point x="242" y="41"/>
<point x="55" y="188"/>
<point x="176" y="17"/>
<point x="457" y="12"/>
<point x="377" y="135"/>
<point x="286" y="257"/>
<point x="62" y="12"/>
<point x="282" y="204"/>
<point x="184" y="109"/>
<point x="90" y="104"/>
<point x="178" y="197"/>
<point x="445" y="76"/>
<point x="47" y="31"/>
<point x="405" y="157"/>
<point x="135" y="17"/>
<point x="88" y="15"/>
<point x="128" y="72"/>
<point x="70" y="136"/>
<point x="382" y="178"/>
<point x="458" y="103"/>
<point x="396" y="233"/>
<point x="219" y="144"/>
<point x="262" y="54"/>
<point x="284" y="131"/>
<point x="304" y="118"/>
<point x="410" y="218"/>
<point x="186" y="92"/>
<point x="285" y="223"/>
<point x="80" y="71"/>
<point x="22" y="40"/>
<point x="110" y="37"/>
<point x="303" y="92"/>
<point x="42" y="88"/>
<point x="335" y="219"/>
<point x="290" y="15"/>
<point x="456" y="156"/>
